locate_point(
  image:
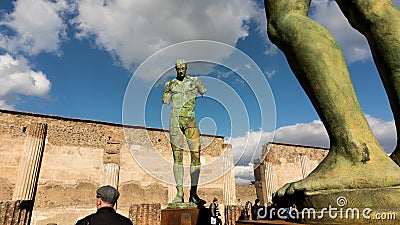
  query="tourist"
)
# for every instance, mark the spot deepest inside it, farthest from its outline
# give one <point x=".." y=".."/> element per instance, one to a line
<point x="215" y="214"/>
<point x="272" y="211"/>
<point x="254" y="210"/>
<point x="106" y="215"/>
<point x="244" y="215"/>
<point x="293" y="212"/>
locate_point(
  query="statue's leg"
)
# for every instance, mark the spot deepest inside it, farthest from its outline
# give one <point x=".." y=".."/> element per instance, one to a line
<point x="355" y="160"/>
<point x="379" y="22"/>
<point x="177" y="151"/>
<point x="193" y="137"/>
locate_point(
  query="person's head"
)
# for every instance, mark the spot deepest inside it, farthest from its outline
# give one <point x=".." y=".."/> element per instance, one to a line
<point x="215" y="200"/>
<point x="107" y="196"/>
<point x="257" y="201"/>
<point x="180" y="67"/>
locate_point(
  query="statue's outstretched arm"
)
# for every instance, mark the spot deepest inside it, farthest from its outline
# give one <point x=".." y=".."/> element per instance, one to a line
<point x="167" y="94"/>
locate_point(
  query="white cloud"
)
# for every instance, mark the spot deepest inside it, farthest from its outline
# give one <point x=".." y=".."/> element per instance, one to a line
<point x="133" y="30"/>
<point x="244" y="175"/>
<point x="271" y="73"/>
<point x="16" y="78"/>
<point x="312" y="133"/>
<point x="38" y="27"/>
<point x="354" y="45"/>
<point x="247" y="148"/>
<point x="384" y="131"/>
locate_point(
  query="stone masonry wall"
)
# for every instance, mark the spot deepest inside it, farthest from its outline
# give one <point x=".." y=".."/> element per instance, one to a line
<point x="284" y="163"/>
<point x="73" y="164"/>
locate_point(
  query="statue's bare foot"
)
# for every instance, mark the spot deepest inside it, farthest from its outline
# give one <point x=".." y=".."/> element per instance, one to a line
<point x="178" y="198"/>
<point x="337" y="172"/>
<point x="197" y="200"/>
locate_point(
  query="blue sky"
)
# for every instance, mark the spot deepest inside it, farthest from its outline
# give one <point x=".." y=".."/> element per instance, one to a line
<point x="81" y="59"/>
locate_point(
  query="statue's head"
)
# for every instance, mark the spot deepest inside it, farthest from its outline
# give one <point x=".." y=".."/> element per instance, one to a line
<point x="180" y="67"/>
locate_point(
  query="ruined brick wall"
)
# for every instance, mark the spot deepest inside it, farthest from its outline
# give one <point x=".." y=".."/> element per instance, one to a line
<point x="73" y="165"/>
<point x="15" y="212"/>
<point x="246" y="193"/>
<point x="284" y="163"/>
<point x="144" y="214"/>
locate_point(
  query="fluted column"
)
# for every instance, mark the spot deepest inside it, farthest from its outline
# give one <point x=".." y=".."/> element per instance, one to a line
<point x="111" y="174"/>
<point x="111" y="160"/>
<point x="304" y="165"/>
<point x="229" y="188"/>
<point x="28" y="173"/>
<point x="270" y="180"/>
<point x="260" y="183"/>
<point x="171" y="192"/>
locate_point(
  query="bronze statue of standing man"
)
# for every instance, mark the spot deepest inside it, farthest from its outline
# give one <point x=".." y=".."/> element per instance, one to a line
<point x="183" y="91"/>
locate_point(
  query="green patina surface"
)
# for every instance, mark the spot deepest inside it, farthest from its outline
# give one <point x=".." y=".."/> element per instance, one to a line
<point x="183" y="91"/>
<point x="356" y="160"/>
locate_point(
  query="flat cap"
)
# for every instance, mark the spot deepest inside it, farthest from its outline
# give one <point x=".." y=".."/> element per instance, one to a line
<point x="108" y="194"/>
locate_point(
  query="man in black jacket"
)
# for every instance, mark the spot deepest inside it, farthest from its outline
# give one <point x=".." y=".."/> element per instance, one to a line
<point x="215" y="213"/>
<point x="106" y="215"/>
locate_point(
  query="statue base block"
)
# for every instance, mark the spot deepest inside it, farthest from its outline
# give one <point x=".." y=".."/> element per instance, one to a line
<point x="351" y="206"/>
<point x="183" y="205"/>
<point x="185" y="216"/>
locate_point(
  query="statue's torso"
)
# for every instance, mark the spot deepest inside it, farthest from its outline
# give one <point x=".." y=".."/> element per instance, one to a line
<point x="183" y="94"/>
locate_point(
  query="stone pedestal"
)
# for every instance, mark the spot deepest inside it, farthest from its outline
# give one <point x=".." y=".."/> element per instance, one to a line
<point x="183" y="205"/>
<point x="185" y="217"/>
<point x="357" y="206"/>
<point x="31" y="161"/>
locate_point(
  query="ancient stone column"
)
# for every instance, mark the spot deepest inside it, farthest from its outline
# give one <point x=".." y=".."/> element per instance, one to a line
<point x="232" y="214"/>
<point x="31" y="160"/>
<point x="270" y="180"/>
<point x="229" y="188"/>
<point x="304" y="165"/>
<point x="171" y="192"/>
<point x="260" y="181"/>
<point x="111" y="160"/>
<point x="111" y="174"/>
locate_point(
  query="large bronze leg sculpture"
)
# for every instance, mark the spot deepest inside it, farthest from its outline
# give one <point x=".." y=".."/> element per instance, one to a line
<point x="355" y="160"/>
<point x="379" y="22"/>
